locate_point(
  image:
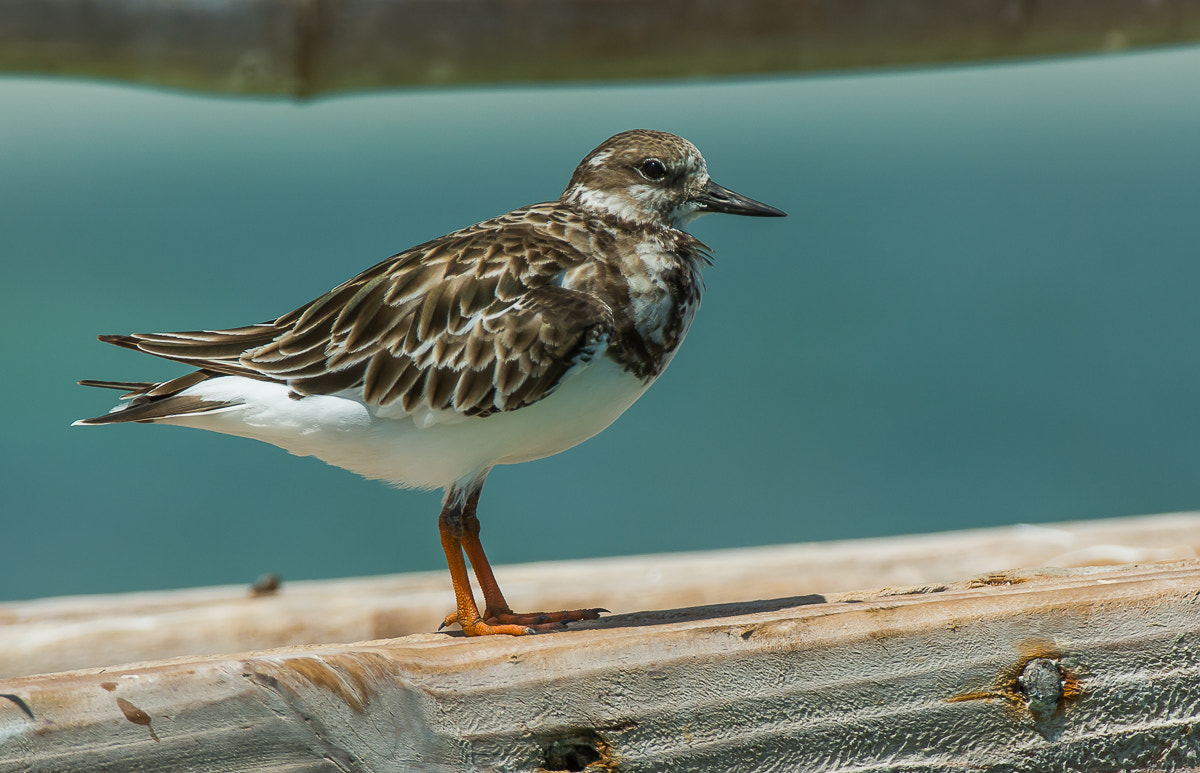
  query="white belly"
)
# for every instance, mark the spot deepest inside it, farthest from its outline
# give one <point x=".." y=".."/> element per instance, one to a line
<point x="345" y="432"/>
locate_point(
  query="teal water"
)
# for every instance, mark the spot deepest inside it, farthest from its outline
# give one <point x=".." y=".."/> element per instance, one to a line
<point x="982" y="310"/>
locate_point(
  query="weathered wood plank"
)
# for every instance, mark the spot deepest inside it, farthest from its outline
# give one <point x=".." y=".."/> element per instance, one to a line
<point x="1093" y="669"/>
<point x="89" y="631"/>
<point x="307" y="47"/>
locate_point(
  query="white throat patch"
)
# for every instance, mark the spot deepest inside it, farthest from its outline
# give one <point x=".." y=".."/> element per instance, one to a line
<point x="608" y="203"/>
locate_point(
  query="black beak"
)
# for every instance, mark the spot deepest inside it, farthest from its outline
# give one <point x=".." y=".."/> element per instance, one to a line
<point x="718" y="198"/>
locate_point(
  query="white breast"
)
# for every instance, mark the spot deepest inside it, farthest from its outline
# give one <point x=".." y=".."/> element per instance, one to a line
<point x="652" y="301"/>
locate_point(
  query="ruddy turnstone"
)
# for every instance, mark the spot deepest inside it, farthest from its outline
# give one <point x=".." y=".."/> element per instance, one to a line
<point x="507" y="341"/>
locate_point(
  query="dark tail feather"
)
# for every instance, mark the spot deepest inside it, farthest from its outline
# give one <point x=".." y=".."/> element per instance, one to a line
<point x="127" y="342"/>
<point x="128" y="386"/>
<point x="213" y="351"/>
<point x="149" y="401"/>
<point x="154" y="410"/>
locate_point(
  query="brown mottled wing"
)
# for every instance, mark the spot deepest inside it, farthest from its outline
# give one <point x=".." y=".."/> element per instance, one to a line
<point x="472" y="321"/>
<point x="468" y="322"/>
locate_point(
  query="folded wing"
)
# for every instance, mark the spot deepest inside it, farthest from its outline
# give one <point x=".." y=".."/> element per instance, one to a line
<point x="469" y="322"/>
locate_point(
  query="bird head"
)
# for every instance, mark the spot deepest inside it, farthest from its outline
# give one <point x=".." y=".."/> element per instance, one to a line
<point x="652" y="178"/>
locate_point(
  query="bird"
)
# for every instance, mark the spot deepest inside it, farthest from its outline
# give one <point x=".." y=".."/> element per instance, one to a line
<point x="506" y="341"/>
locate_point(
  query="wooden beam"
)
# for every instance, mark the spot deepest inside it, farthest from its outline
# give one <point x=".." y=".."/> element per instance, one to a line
<point x="308" y="47"/>
<point x="61" y="634"/>
<point x="1093" y="669"/>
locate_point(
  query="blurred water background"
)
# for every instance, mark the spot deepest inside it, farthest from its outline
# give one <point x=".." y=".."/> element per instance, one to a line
<point x="981" y="311"/>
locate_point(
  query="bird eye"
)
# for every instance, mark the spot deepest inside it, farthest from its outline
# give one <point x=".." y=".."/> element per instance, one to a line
<point x="653" y="169"/>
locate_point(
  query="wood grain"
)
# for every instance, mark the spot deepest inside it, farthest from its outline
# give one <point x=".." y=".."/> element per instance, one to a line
<point x="1091" y="666"/>
<point x="934" y="681"/>
<point x="90" y="631"/>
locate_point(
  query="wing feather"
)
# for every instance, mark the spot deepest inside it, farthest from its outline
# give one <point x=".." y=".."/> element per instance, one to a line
<point x="474" y="388"/>
<point x="405" y="383"/>
<point x="479" y="351"/>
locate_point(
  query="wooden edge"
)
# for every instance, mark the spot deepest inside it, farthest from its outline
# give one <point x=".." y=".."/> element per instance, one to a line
<point x="60" y="634"/>
<point x="308" y="47"/>
<point x="1074" y="669"/>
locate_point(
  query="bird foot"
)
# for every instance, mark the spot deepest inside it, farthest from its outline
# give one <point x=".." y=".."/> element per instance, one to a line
<point x="518" y="624"/>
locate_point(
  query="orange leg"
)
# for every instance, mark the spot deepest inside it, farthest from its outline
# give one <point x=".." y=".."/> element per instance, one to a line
<point x="460" y="533"/>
